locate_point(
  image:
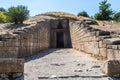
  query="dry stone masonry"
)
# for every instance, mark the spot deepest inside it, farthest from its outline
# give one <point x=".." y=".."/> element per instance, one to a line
<point x="100" y="44"/>
<point x="50" y="32"/>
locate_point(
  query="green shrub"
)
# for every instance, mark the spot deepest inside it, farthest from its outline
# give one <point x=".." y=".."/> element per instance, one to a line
<point x="2" y="17"/>
<point x="18" y="14"/>
<point x="83" y="13"/>
<point x="117" y="17"/>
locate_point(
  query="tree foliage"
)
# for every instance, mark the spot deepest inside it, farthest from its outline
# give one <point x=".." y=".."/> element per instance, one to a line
<point x="117" y="17"/>
<point x="105" y="11"/>
<point x="18" y="14"/>
<point x="83" y="13"/>
<point x="2" y="9"/>
<point x="2" y="17"/>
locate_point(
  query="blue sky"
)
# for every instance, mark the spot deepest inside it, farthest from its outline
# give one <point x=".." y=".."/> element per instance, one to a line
<point x="71" y="6"/>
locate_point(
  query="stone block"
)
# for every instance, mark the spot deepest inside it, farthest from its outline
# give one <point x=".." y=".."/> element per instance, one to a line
<point x="104" y="37"/>
<point x="93" y="33"/>
<point x="113" y="54"/>
<point x="8" y="53"/>
<point x="103" y="52"/>
<point x="114" y="41"/>
<point x="102" y="33"/>
<point x="1" y="43"/>
<point x="109" y="46"/>
<point x="117" y="54"/>
<point x="115" y="47"/>
<point x="100" y="44"/>
<point x="112" y="68"/>
<point x="118" y="47"/>
<point x="104" y="45"/>
<point x="9" y="65"/>
<point x="110" y="54"/>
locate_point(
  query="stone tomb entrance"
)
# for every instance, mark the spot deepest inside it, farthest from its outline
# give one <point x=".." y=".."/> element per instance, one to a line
<point x="60" y="40"/>
<point x="59" y="34"/>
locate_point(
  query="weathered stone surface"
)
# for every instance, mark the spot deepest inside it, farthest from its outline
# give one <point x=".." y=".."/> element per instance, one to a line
<point x="109" y="47"/>
<point x="112" y="68"/>
<point x="114" y="41"/>
<point x="104" y="37"/>
<point x="102" y="33"/>
<point x="91" y="22"/>
<point x="114" y="46"/>
<point x="110" y="54"/>
<point x="103" y="52"/>
<point x="8" y="65"/>
<point x="113" y="54"/>
<point x="41" y="34"/>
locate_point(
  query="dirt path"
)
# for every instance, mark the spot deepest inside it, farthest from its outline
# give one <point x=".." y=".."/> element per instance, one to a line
<point x="63" y="64"/>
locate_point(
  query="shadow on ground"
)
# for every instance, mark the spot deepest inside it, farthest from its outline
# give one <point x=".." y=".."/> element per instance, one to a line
<point x="39" y="55"/>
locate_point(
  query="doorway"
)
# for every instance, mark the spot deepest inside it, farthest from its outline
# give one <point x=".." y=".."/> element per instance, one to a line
<point x="60" y="40"/>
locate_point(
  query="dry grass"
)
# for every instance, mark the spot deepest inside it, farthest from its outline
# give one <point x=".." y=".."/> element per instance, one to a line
<point x="66" y="15"/>
<point x="115" y="24"/>
<point x="81" y="18"/>
<point x="103" y="22"/>
<point x="62" y="15"/>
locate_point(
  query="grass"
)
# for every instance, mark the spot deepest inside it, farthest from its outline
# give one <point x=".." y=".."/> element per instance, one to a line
<point x="66" y="15"/>
<point x="62" y="15"/>
<point x="116" y="24"/>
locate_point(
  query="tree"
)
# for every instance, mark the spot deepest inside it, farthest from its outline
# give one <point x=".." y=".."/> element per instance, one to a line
<point x="83" y="13"/>
<point x="2" y="17"/>
<point x="116" y="17"/>
<point x="18" y="14"/>
<point x="105" y="12"/>
<point x="2" y="9"/>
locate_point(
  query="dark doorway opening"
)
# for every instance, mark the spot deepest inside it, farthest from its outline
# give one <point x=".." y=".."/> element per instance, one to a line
<point x="60" y="40"/>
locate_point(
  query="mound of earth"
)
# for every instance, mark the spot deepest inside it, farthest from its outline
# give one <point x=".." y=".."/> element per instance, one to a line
<point x="9" y="28"/>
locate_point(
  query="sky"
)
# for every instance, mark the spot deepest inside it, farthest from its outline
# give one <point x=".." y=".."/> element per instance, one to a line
<point x="70" y="6"/>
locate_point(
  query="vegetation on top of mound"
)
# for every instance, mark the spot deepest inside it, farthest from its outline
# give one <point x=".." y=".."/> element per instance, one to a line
<point x="83" y="13"/>
<point x="18" y="14"/>
<point x="14" y="14"/>
<point x="117" y="17"/>
<point x="62" y="15"/>
<point x="2" y="17"/>
<point x="105" y="11"/>
<point x="108" y="23"/>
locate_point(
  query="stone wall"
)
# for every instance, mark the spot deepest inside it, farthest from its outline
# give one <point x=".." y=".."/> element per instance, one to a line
<point x="25" y="41"/>
<point x="37" y="36"/>
<point x="100" y="44"/>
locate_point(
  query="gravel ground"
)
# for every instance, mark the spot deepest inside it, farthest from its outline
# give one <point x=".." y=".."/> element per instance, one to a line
<point x="63" y="64"/>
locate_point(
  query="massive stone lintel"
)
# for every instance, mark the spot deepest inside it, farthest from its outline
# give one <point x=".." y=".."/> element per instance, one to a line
<point x="11" y="65"/>
<point x="112" y="68"/>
